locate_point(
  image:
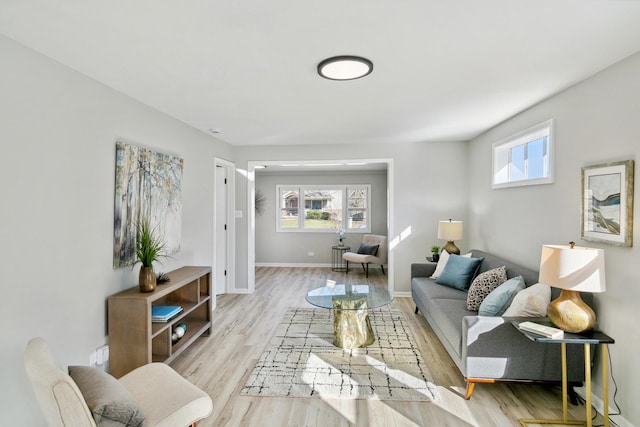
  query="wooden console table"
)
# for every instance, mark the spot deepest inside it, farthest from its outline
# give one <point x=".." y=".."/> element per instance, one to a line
<point x="134" y="340"/>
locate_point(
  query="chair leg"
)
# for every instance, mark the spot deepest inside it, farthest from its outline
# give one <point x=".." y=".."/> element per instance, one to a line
<point x="366" y="274"/>
<point x="363" y="269"/>
<point x="382" y="267"/>
<point x="416" y="312"/>
<point x="347" y="267"/>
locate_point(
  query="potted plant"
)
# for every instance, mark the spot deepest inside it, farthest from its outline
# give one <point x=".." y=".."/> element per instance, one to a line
<point x="149" y="247"/>
<point x="435" y="253"/>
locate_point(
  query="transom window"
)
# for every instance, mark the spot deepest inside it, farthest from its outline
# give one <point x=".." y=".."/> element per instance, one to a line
<point x="323" y="208"/>
<point x="525" y="158"/>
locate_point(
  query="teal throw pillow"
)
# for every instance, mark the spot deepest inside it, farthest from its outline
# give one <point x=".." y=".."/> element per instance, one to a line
<point x="501" y="297"/>
<point x="459" y="272"/>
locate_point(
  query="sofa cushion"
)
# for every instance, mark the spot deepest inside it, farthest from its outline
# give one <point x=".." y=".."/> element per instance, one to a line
<point x="530" y="302"/>
<point x="497" y="302"/>
<point x="109" y="401"/>
<point x="442" y="262"/>
<point x="459" y="272"/>
<point x="365" y="249"/>
<point x="426" y="289"/>
<point x="447" y="315"/>
<point x="482" y="286"/>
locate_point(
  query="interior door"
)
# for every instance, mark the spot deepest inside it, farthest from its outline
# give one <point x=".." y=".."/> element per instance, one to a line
<point x="221" y="230"/>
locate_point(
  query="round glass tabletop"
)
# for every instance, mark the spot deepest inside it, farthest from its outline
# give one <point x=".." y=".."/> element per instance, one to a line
<point x="325" y="296"/>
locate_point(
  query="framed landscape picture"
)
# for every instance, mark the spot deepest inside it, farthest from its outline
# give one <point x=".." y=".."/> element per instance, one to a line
<point x="607" y="203"/>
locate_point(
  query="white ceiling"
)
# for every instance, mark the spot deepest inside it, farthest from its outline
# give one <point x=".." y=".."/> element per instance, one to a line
<point x="443" y="70"/>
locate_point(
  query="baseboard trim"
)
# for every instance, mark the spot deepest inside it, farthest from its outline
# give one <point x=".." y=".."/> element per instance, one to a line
<point x="598" y="405"/>
<point x="291" y="265"/>
<point x="402" y="294"/>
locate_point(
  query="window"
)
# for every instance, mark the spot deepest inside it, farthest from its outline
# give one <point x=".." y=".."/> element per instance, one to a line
<point x="324" y="208"/>
<point x="525" y="158"/>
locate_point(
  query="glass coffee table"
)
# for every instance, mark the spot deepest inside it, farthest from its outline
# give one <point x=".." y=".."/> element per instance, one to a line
<point x="350" y="305"/>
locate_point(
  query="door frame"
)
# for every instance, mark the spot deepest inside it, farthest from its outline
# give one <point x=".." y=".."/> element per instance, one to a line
<point x="251" y="217"/>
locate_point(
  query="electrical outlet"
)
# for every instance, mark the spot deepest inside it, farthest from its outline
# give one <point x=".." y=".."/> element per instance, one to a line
<point x="102" y="354"/>
<point x="310" y="253"/>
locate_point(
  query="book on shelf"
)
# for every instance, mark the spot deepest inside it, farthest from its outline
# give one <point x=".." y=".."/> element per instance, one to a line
<point x="545" y="331"/>
<point x="162" y="313"/>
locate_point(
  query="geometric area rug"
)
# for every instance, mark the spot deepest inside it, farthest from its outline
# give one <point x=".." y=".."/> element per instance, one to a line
<point x="301" y="361"/>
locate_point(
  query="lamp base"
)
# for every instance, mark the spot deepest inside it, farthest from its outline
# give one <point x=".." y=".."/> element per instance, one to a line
<point x="451" y="248"/>
<point x="569" y="313"/>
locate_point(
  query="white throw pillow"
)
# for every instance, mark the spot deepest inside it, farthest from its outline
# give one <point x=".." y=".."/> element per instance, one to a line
<point x="530" y="302"/>
<point x="442" y="262"/>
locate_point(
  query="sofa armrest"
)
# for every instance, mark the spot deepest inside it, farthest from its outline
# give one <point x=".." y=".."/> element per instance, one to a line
<point x="422" y="269"/>
<point x="493" y="348"/>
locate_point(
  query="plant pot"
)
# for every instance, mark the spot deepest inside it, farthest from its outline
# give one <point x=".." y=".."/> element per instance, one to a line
<point x="147" y="279"/>
<point x="435" y="257"/>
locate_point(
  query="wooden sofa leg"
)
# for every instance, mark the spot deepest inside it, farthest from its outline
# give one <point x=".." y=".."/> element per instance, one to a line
<point x="366" y="274"/>
<point x="347" y="267"/>
<point x="416" y="312"/>
<point x="469" y="392"/>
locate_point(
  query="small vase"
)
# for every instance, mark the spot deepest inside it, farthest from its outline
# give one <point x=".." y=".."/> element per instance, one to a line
<point x="147" y="279"/>
<point x="340" y="243"/>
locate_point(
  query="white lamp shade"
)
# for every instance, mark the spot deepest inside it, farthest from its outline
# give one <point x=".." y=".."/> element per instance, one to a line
<point x="577" y="269"/>
<point x="450" y="230"/>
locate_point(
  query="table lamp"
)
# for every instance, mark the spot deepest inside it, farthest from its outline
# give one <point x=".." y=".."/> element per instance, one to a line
<point x="573" y="269"/>
<point x="450" y="231"/>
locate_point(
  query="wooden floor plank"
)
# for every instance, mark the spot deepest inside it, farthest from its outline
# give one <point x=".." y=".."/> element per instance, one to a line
<point x="243" y="325"/>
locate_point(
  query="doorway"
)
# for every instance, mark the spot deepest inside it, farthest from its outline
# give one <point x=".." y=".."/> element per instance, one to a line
<point x="338" y="165"/>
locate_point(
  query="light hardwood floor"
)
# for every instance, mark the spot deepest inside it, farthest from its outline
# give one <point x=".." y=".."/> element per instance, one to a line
<point x="243" y="325"/>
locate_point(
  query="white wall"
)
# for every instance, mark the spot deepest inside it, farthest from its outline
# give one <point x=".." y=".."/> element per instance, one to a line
<point x="596" y="121"/>
<point x="429" y="183"/>
<point x="59" y="130"/>
<point x="293" y="248"/>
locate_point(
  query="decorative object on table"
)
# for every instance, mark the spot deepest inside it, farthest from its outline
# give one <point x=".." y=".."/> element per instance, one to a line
<point x="340" y="231"/>
<point x="450" y="231"/>
<point x="545" y="331"/>
<point x="435" y="253"/>
<point x="163" y="313"/>
<point x="607" y="203"/>
<point x="178" y="332"/>
<point x="260" y="202"/>
<point x="301" y="361"/>
<point x="162" y="278"/>
<point x="573" y="269"/>
<point x="147" y="185"/>
<point x="149" y="247"/>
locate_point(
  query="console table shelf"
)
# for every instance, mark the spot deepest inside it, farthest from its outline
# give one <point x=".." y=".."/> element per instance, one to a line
<point x="135" y="340"/>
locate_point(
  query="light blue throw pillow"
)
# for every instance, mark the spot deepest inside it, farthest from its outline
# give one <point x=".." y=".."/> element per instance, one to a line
<point x="501" y="297"/>
<point x="459" y="272"/>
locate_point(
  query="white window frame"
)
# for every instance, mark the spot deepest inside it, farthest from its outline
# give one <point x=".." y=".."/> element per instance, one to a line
<point x="501" y="156"/>
<point x="301" y="209"/>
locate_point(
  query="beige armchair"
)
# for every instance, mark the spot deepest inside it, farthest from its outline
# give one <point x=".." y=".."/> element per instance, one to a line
<point x="367" y="254"/>
<point x="162" y="396"/>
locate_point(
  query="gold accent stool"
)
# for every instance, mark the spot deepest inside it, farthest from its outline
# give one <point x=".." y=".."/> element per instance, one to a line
<point x="351" y="324"/>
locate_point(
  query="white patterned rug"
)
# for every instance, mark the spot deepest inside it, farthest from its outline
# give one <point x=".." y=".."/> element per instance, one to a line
<point x="301" y="361"/>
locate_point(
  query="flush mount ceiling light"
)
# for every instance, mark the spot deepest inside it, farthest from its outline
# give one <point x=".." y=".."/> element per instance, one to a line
<point x="345" y="67"/>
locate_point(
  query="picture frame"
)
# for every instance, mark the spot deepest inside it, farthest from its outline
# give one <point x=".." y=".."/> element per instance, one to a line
<point x="607" y="203"/>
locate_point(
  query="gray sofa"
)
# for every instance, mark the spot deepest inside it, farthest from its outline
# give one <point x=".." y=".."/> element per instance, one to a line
<point x="490" y="349"/>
